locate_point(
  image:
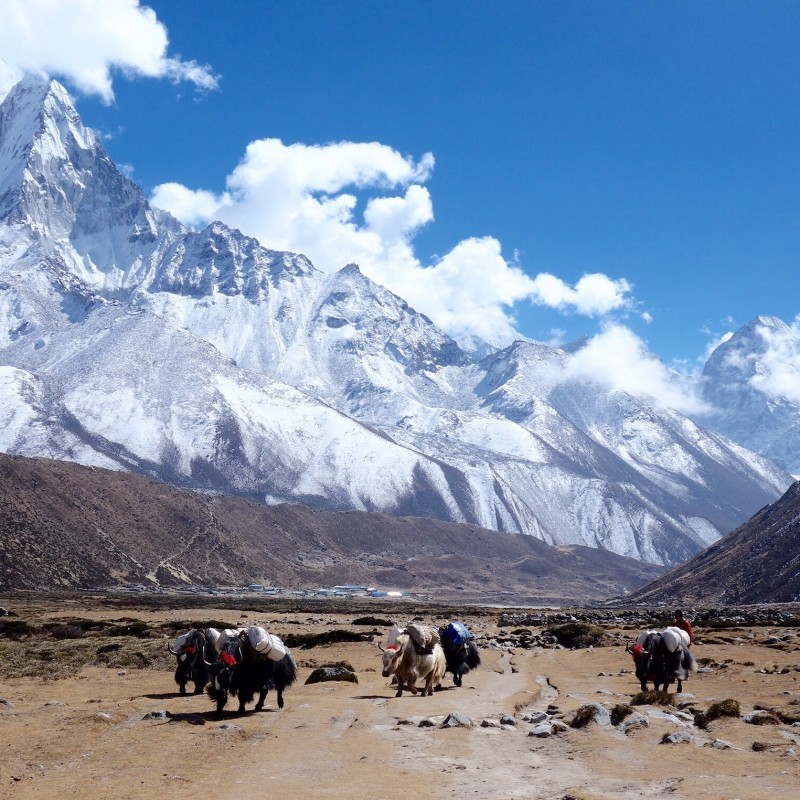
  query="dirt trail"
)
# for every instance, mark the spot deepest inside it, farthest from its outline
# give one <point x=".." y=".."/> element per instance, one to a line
<point x="87" y="738"/>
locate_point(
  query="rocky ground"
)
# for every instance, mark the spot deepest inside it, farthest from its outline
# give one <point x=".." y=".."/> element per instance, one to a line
<point x="537" y="720"/>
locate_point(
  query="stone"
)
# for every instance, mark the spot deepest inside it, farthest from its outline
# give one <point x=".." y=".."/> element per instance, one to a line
<point x="633" y="722"/>
<point x="230" y="727"/>
<point x="331" y="674"/>
<point x="507" y="719"/>
<point x="542" y="730"/>
<point x="155" y="715"/>
<point x="103" y="716"/>
<point x="534" y="716"/>
<point x="761" y="717"/>
<point x="592" y="712"/>
<point x="654" y="713"/>
<point x="427" y="722"/>
<point x="719" y="744"/>
<point x="679" y="737"/>
<point x="456" y="720"/>
<point x="558" y="726"/>
<point x="490" y="723"/>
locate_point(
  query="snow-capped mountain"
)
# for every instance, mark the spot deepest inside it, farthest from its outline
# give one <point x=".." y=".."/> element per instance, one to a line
<point x="209" y="361"/>
<point x="754" y="392"/>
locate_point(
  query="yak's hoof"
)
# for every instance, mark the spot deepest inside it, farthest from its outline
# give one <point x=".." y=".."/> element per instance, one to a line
<point x="259" y="707"/>
<point x="182" y="689"/>
<point x="399" y="693"/>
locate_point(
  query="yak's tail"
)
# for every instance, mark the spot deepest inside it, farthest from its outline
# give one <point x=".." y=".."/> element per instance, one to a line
<point x="473" y="658"/>
<point x="285" y="673"/>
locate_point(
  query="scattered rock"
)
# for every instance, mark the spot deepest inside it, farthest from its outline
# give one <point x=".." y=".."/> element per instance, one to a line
<point x="542" y="730"/>
<point x="55" y="703"/>
<point x="155" y="715"/>
<point x="593" y="712"/>
<point x="6" y="703"/>
<point x="456" y="720"/>
<point x="558" y="726"/>
<point x="719" y="744"/>
<point x="427" y="722"/>
<point x="760" y="747"/>
<point x="331" y="674"/>
<point x="490" y="723"/>
<point x="679" y="737"/>
<point x="634" y="722"/>
<point x="103" y="716"/>
<point x="230" y="727"/>
<point x="673" y="718"/>
<point x="507" y="719"/>
<point x="534" y="716"/>
<point x="761" y="717"/>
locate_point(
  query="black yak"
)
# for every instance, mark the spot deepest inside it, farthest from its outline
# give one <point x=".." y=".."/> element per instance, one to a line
<point x="242" y="672"/>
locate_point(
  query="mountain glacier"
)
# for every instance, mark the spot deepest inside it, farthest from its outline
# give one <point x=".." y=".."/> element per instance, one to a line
<point x="209" y="361"/>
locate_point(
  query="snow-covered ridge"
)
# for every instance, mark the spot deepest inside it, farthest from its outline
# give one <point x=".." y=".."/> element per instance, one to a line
<point x="207" y="360"/>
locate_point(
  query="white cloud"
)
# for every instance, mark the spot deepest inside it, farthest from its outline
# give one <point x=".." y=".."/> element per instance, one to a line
<point x="619" y="359"/>
<point x="191" y="207"/>
<point x="83" y="41"/>
<point x="308" y="199"/>
<point x="593" y="294"/>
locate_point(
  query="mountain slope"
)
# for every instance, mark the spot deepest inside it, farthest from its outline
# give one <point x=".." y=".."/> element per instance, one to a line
<point x="206" y="360"/>
<point x="759" y="562"/>
<point x="754" y="394"/>
<point x="65" y="525"/>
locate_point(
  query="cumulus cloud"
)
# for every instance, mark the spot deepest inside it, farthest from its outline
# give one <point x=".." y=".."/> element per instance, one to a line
<point x="593" y="294"/>
<point x="191" y="207"/>
<point x="619" y="359"/>
<point x="364" y="203"/>
<point x="84" y="41"/>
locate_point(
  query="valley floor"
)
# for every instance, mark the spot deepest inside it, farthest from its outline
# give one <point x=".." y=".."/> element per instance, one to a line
<point x="86" y="736"/>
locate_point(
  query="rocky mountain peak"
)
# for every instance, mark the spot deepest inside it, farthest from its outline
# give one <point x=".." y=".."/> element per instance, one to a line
<point x="210" y="361"/>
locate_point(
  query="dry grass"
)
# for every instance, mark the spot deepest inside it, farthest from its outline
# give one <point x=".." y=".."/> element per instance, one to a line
<point x="578" y="634"/>
<point x="653" y="698"/>
<point x="54" y="659"/>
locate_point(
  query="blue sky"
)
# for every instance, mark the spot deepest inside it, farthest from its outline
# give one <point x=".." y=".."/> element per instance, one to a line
<point x="654" y="145"/>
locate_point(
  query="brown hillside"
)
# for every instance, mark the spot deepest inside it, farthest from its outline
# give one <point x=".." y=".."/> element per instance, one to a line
<point x="66" y="525"/>
<point x="759" y="562"/>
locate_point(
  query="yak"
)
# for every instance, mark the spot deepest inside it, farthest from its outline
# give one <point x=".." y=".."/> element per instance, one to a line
<point x="460" y="660"/>
<point x="191" y="650"/>
<point x="662" y="657"/>
<point x="242" y="672"/>
<point x="408" y="663"/>
<point x="460" y="651"/>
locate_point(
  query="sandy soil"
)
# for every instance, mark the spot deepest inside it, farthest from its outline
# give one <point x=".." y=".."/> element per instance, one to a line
<point x="85" y="737"/>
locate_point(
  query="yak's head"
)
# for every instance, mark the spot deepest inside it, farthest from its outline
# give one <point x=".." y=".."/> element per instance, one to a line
<point x="221" y="671"/>
<point x="188" y="646"/>
<point x="643" y="651"/>
<point x="391" y="658"/>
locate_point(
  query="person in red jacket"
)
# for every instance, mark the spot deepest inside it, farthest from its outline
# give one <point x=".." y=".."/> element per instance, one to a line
<point x="684" y="624"/>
